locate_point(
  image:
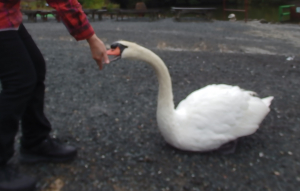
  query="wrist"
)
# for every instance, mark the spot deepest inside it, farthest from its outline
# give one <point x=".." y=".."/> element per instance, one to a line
<point x="92" y="38"/>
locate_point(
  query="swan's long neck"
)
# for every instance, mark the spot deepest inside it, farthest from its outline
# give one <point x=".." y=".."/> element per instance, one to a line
<point x="165" y="105"/>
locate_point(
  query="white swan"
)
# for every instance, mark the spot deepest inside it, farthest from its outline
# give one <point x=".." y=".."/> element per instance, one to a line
<point x="209" y="117"/>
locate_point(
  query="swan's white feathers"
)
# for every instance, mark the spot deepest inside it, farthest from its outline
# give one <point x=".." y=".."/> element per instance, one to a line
<point x="217" y="114"/>
<point x="208" y="117"/>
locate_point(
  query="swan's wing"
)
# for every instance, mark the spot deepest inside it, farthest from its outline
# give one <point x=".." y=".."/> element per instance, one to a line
<point x="216" y="114"/>
<point x="216" y="109"/>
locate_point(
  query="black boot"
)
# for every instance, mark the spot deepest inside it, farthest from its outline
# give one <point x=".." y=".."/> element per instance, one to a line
<point x="12" y="180"/>
<point x="50" y="150"/>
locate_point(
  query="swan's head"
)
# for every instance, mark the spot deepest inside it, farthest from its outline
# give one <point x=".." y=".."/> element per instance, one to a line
<point x="124" y="49"/>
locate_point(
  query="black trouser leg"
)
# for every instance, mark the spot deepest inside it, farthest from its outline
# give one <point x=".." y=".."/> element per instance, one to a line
<point x="22" y="74"/>
<point x="35" y="126"/>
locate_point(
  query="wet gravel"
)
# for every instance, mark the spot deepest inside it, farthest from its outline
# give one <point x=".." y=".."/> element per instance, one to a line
<point x="110" y="115"/>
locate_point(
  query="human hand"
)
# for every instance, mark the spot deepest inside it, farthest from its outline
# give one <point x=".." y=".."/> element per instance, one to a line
<point x="98" y="50"/>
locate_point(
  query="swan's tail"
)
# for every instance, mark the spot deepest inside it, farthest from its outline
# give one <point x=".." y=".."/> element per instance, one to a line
<point x="267" y="100"/>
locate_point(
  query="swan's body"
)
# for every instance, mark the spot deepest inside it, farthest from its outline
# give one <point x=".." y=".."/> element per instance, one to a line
<point x="209" y="117"/>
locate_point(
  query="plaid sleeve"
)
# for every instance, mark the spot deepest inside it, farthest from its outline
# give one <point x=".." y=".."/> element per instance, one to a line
<point x="10" y="14"/>
<point x="73" y="17"/>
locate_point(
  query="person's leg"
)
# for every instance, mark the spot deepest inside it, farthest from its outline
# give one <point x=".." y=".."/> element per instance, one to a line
<point x="36" y="144"/>
<point x="18" y="79"/>
<point x="35" y="126"/>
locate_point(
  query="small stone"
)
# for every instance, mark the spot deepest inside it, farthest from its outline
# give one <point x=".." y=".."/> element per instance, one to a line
<point x="261" y="154"/>
<point x="290" y="58"/>
<point x="58" y="184"/>
<point x="276" y="173"/>
<point x="290" y="153"/>
<point x="141" y="159"/>
<point x="298" y="179"/>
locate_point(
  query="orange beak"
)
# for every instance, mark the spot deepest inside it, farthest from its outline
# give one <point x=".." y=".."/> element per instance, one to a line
<point x="114" y="52"/>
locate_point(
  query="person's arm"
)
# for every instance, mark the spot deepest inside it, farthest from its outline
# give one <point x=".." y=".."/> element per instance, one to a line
<point x="75" y="20"/>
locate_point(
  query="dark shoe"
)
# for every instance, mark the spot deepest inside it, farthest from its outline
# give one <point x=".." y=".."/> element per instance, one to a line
<point x="12" y="180"/>
<point x="50" y="150"/>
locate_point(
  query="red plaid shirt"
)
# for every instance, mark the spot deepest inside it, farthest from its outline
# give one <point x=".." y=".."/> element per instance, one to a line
<point x="70" y="12"/>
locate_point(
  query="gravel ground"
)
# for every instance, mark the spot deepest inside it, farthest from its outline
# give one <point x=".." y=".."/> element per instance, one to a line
<point x="110" y="115"/>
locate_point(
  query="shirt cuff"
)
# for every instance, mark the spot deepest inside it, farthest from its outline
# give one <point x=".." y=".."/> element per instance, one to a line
<point x="84" y="33"/>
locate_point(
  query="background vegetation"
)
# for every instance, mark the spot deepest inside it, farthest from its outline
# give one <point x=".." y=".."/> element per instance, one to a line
<point x="93" y="4"/>
<point x="169" y="3"/>
<point x="98" y="4"/>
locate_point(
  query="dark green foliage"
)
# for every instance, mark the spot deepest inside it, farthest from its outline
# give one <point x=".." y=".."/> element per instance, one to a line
<point x="96" y="4"/>
<point x="168" y="3"/>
